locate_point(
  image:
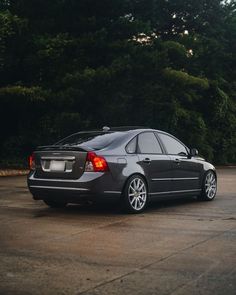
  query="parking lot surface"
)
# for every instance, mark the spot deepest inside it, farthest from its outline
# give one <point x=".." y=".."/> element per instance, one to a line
<point x="174" y="247"/>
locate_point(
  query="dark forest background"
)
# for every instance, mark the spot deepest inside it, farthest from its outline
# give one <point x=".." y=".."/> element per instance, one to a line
<point x="70" y="65"/>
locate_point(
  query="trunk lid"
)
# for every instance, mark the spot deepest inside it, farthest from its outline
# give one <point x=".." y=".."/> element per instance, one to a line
<point x="60" y="162"/>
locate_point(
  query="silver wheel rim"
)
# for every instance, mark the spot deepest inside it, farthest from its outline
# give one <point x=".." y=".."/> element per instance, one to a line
<point x="137" y="194"/>
<point x="210" y="185"/>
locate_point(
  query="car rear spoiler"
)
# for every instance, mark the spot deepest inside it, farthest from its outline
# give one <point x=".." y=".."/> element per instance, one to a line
<point x="62" y="148"/>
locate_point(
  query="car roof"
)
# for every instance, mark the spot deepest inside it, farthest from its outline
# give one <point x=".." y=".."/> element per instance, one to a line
<point x="128" y="129"/>
<point x="131" y="130"/>
<point x="137" y="130"/>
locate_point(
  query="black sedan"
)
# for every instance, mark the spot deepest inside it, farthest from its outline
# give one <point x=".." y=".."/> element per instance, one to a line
<point x="131" y="164"/>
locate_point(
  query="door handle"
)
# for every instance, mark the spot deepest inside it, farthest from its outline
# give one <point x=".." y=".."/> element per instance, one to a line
<point x="147" y="160"/>
<point x="177" y="161"/>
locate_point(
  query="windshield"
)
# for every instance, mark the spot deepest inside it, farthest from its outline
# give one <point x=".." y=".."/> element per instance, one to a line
<point x="94" y="140"/>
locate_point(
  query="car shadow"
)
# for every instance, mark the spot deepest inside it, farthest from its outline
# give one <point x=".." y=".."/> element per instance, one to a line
<point x="112" y="208"/>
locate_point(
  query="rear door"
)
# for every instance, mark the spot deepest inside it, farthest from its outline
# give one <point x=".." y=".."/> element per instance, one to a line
<point x="186" y="171"/>
<point x="156" y="165"/>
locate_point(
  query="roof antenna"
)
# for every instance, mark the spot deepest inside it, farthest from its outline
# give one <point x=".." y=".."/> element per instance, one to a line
<point x="105" y="128"/>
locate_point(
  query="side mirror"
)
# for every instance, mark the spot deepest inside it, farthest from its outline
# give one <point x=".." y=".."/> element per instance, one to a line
<point x="193" y="152"/>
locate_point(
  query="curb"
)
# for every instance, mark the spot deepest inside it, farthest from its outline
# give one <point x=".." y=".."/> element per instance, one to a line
<point x="13" y="172"/>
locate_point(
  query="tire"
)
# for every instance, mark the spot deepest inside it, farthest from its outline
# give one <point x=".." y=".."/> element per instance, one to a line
<point x="55" y="203"/>
<point x="209" y="187"/>
<point x="135" y="195"/>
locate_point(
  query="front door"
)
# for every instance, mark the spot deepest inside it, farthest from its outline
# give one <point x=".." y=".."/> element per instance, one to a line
<point x="186" y="171"/>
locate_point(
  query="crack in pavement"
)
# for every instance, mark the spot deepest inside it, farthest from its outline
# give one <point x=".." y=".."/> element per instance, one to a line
<point x="156" y="262"/>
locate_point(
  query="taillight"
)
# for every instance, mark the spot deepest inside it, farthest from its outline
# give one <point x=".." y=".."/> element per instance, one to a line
<point x="32" y="162"/>
<point x="95" y="163"/>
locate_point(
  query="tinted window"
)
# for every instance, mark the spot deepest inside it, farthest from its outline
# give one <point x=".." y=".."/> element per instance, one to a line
<point x="94" y="140"/>
<point x="173" y="146"/>
<point x="148" y="144"/>
<point x="131" y="146"/>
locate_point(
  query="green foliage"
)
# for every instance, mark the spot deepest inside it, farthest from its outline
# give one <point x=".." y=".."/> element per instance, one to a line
<point x="71" y="65"/>
<point x="28" y="93"/>
<point x="10" y="26"/>
<point x="184" y="79"/>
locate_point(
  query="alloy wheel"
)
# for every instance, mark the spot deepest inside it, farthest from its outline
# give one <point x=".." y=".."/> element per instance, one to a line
<point x="210" y="185"/>
<point x="137" y="194"/>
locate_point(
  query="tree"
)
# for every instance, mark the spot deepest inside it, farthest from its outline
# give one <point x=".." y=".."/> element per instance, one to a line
<point x="78" y="64"/>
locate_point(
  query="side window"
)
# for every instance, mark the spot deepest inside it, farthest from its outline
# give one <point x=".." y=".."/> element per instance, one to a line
<point x="148" y="144"/>
<point x="131" y="146"/>
<point x="173" y="146"/>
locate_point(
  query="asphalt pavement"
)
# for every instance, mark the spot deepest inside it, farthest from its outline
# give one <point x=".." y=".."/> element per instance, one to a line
<point x="175" y="247"/>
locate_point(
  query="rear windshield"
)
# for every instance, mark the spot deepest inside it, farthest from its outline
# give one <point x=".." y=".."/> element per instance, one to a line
<point x="94" y="140"/>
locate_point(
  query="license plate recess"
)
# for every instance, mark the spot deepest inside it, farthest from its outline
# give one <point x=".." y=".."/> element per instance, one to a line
<point x="57" y="166"/>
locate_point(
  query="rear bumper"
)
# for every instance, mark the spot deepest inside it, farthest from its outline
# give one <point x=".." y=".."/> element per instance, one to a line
<point x="89" y="186"/>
